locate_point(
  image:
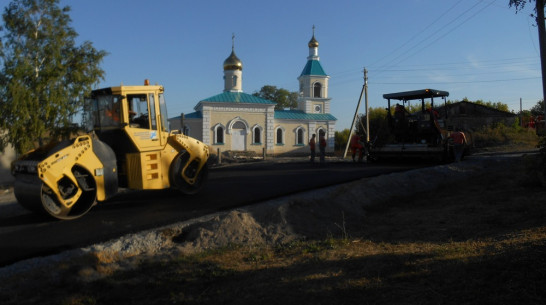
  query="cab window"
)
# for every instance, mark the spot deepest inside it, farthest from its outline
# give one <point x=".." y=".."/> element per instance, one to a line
<point x="138" y="111"/>
<point x="164" y="116"/>
<point x="152" y="111"/>
<point x="108" y="112"/>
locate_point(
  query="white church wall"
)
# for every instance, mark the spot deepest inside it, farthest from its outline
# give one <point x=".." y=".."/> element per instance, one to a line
<point x="250" y="117"/>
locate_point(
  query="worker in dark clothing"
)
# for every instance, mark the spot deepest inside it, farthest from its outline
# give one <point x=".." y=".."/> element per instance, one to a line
<point x="322" y="147"/>
<point x="312" y="145"/>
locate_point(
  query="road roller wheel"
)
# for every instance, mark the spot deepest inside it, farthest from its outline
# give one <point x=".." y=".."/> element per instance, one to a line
<point x="67" y="189"/>
<point x="178" y="183"/>
<point x="38" y="197"/>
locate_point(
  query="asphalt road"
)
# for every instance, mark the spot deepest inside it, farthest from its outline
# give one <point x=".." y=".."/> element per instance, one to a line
<point x="25" y="235"/>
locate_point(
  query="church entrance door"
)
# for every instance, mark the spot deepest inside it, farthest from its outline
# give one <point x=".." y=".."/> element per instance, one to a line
<point x="238" y="139"/>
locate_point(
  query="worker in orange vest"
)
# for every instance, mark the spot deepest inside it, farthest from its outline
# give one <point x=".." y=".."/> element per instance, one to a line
<point x="459" y="141"/>
<point x="356" y="144"/>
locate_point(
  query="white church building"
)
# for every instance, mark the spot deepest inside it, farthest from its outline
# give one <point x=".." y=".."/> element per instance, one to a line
<point x="237" y="121"/>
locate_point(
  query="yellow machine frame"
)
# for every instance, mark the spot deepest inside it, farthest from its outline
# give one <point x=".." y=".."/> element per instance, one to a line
<point x="129" y="146"/>
<point x="157" y="148"/>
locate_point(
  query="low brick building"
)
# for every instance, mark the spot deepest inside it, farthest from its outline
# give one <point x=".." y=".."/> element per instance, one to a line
<point x="472" y="116"/>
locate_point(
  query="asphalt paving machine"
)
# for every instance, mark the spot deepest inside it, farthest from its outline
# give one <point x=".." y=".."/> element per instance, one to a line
<point x="128" y="146"/>
<point x="422" y="134"/>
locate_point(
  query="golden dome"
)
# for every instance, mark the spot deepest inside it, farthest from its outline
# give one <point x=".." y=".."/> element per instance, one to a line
<point x="233" y="62"/>
<point x="313" y="43"/>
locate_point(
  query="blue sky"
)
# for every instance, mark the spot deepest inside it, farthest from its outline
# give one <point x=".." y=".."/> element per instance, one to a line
<point x="471" y="48"/>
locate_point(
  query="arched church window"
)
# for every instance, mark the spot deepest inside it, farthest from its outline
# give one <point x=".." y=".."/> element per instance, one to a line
<point x="257" y="132"/>
<point x="299" y="136"/>
<point x="317" y="89"/>
<point x="321" y="132"/>
<point x="280" y="136"/>
<point x="234" y="81"/>
<point x="219" y="135"/>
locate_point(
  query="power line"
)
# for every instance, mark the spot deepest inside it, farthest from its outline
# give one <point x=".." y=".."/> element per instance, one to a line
<point x="441" y="36"/>
<point x="491" y="66"/>
<point x="483" y="63"/>
<point x="454" y="82"/>
<point x="417" y="34"/>
<point x="407" y="55"/>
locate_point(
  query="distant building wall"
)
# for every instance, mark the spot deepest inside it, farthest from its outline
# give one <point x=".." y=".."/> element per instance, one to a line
<point x="471" y="116"/>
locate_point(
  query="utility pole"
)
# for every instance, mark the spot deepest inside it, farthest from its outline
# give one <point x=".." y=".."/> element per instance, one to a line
<point x="520" y="113"/>
<point x="366" y="102"/>
<point x="542" y="44"/>
<point x="182" y="123"/>
<point x="356" y="114"/>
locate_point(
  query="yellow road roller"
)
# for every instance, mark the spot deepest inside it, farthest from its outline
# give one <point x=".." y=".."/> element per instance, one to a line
<point x="128" y="145"/>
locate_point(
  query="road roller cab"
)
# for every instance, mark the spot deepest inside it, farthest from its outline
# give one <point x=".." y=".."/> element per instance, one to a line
<point x="128" y="145"/>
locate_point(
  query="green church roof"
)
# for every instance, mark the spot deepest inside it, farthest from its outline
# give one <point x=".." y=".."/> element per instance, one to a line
<point x="313" y="67"/>
<point x="237" y="97"/>
<point x="193" y="115"/>
<point x="300" y="115"/>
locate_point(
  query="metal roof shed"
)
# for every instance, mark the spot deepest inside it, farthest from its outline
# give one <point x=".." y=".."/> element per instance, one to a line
<point x="416" y="94"/>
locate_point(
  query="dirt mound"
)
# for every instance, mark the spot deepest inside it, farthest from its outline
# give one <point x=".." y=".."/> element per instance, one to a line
<point x="321" y="213"/>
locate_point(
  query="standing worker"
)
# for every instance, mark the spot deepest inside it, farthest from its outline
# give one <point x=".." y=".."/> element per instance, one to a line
<point x="356" y="144"/>
<point x="312" y="145"/>
<point x="459" y="141"/>
<point x="322" y="147"/>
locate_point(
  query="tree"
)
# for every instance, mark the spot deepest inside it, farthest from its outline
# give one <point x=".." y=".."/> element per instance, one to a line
<point x="283" y="97"/>
<point x="379" y="128"/>
<point x="538" y="109"/>
<point x="498" y="105"/>
<point x="539" y="15"/>
<point x="340" y="139"/>
<point x="43" y="75"/>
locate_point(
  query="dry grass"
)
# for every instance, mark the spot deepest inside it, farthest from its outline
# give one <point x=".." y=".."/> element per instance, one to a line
<point x="481" y="241"/>
<point x="504" y="138"/>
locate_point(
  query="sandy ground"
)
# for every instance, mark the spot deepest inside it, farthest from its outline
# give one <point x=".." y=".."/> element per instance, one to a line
<point x="311" y="215"/>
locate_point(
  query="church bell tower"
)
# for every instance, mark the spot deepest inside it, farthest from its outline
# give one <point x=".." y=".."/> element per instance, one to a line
<point x="233" y="71"/>
<point x="313" y="83"/>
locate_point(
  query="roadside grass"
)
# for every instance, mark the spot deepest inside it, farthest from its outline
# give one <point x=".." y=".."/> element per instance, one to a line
<point x="481" y="241"/>
<point x="504" y="138"/>
<point x="509" y="269"/>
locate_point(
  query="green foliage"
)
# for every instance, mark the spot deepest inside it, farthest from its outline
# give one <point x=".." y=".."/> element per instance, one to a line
<point x="378" y="124"/>
<point x="502" y="135"/>
<point x="341" y="138"/>
<point x="520" y="4"/>
<point x="416" y="107"/>
<point x="283" y="97"/>
<point x="538" y="109"/>
<point x="542" y="143"/>
<point x="43" y="72"/>
<point x="516" y="125"/>
<point x="498" y="105"/>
